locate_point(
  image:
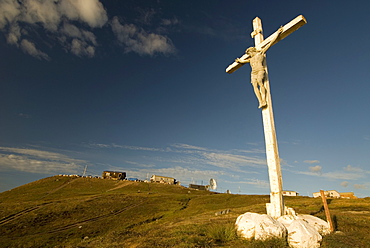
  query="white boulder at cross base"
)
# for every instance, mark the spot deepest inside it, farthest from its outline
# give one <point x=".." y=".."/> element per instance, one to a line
<point x="303" y="235"/>
<point x="259" y="226"/>
<point x="301" y="231"/>
<point x="319" y="224"/>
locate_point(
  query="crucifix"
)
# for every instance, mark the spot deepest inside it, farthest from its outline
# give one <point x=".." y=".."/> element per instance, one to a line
<point x="259" y="78"/>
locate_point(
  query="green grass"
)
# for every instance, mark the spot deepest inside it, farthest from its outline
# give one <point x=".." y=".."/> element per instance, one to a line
<point x="222" y="232"/>
<point x="89" y="212"/>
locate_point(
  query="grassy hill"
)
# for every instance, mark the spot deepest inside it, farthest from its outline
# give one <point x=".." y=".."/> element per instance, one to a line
<point x="91" y="212"/>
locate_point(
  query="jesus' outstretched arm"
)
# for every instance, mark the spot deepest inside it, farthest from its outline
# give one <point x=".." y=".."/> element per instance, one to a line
<point x="242" y="61"/>
<point x="279" y="31"/>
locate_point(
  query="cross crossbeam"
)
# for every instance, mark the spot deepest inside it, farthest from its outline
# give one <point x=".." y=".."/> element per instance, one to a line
<point x="289" y="28"/>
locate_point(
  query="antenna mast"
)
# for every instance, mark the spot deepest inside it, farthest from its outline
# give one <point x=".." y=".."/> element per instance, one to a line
<point x="84" y="171"/>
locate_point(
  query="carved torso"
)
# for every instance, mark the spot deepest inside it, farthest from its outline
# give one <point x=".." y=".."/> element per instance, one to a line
<point x="257" y="62"/>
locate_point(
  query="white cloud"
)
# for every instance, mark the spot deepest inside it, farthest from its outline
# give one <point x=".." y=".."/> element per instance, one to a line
<point x="315" y="169"/>
<point x="139" y="164"/>
<point x="82" y="48"/>
<point x="139" y="148"/>
<point x="344" y="184"/>
<point x="189" y="147"/>
<point x="14" y="35"/>
<point x="71" y="30"/>
<point x="30" y="48"/>
<point x="312" y="161"/>
<point x="37" y="153"/>
<point x="44" y="12"/>
<point x="97" y="145"/>
<point x="347" y="174"/>
<point x="91" y="12"/>
<point x="136" y="39"/>
<point x="135" y="148"/>
<point x="168" y="22"/>
<point x="232" y="161"/>
<point x="222" y="159"/>
<point x="256" y="182"/>
<point x="9" y="10"/>
<point x="21" y="19"/>
<point x="336" y="175"/>
<point x="359" y="186"/>
<point x="71" y="22"/>
<point x="251" y="151"/>
<point x="198" y="156"/>
<point x="350" y="168"/>
<point x="38" y="161"/>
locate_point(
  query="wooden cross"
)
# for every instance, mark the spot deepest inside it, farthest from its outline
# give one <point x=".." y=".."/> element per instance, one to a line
<point x="276" y="206"/>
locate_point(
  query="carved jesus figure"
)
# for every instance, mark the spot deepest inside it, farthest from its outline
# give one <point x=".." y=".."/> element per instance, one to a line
<point x="258" y="73"/>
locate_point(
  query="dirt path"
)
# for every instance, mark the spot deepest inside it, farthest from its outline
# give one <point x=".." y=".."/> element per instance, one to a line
<point x="120" y="186"/>
<point x="79" y="223"/>
<point x="12" y="217"/>
<point x="58" y="188"/>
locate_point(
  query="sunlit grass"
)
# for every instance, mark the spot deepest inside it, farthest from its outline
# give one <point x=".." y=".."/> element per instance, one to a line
<point x="84" y="212"/>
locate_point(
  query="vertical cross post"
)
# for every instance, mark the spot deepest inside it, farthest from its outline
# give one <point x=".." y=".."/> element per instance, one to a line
<point x="276" y="206"/>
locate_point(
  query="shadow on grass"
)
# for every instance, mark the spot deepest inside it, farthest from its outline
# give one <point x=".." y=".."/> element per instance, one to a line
<point x="322" y="209"/>
<point x="319" y="211"/>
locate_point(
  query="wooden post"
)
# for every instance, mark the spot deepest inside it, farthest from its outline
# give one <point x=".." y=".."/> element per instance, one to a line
<point x="327" y="212"/>
<point x="276" y="206"/>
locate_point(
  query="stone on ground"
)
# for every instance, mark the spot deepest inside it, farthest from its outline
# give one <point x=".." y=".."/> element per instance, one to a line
<point x="259" y="226"/>
<point x="303" y="235"/>
<point x="245" y="224"/>
<point x="268" y="227"/>
<point x="302" y="231"/>
<point x="319" y="224"/>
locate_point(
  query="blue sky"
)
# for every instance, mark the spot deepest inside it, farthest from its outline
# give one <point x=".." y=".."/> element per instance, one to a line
<point x="141" y="87"/>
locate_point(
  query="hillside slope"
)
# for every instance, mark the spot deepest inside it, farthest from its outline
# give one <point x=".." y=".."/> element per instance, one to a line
<point x="91" y="212"/>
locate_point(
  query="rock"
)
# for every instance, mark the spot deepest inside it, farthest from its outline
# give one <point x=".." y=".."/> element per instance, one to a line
<point x="245" y="225"/>
<point x="303" y="231"/>
<point x="303" y="235"/>
<point x="226" y="211"/>
<point x="286" y="220"/>
<point x="290" y="211"/>
<point x="268" y="227"/>
<point x="319" y="224"/>
<point x="259" y="226"/>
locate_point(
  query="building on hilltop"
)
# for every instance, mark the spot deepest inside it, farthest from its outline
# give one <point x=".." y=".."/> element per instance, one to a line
<point x="348" y="195"/>
<point x="162" y="179"/>
<point x="115" y="175"/>
<point x="199" y="187"/>
<point x="328" y="194"/>
<point x="133" y="179"/>
<point x="290" y="193"/>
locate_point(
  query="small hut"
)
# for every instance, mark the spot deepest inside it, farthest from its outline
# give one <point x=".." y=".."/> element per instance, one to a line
<point x="115" y="175"/>
<point x="162" y="179"/>
<point x="199" y="187"/>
